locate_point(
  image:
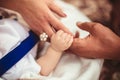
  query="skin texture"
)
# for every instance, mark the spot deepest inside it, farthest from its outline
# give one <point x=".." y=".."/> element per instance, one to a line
<point x="101" y="43"/>
<point x="39" y="14"/>
<point x="60" y="42"/>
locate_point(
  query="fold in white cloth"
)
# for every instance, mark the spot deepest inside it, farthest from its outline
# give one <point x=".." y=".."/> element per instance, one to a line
<point x="11" y="35"/>
<point x="70" y="67"/>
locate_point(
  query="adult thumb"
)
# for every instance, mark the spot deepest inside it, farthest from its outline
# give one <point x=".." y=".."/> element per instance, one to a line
<point x="87" y="26"/>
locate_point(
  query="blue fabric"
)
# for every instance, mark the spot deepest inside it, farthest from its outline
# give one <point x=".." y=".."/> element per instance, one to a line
<point x="19" y="52"/>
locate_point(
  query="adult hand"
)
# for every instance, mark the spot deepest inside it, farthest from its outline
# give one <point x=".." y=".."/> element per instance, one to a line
<point x="38" y="14"/>
<point x="101" y="43"/>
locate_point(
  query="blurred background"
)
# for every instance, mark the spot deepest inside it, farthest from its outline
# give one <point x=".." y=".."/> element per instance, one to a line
<point x="106" y="12"/>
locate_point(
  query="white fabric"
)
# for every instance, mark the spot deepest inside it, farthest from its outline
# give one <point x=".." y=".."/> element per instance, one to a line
<point x="11" y="35"/>
<point x="73" y="16"/>
<point x="70" y="67"/>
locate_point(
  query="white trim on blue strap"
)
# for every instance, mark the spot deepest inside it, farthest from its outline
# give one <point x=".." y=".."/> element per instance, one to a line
<point x="19" y="52"/>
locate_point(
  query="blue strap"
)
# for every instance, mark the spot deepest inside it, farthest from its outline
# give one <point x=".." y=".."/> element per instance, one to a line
<point x="15" y="55"/>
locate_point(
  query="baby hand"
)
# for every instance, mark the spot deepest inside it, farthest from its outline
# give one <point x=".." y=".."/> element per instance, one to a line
<point x="61" y="41"/>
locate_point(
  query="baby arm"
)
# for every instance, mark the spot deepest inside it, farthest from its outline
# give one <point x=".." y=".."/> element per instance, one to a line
<point x="59" y="43"/>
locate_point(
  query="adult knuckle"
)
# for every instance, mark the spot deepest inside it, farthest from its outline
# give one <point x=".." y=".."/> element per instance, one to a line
<point x="97" y="25"/>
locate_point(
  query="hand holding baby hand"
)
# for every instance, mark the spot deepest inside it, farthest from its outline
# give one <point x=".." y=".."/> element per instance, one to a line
<point x="61" y="41"/>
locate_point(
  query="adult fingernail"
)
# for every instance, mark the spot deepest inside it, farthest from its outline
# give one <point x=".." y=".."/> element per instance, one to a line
<point x="64" y="14"/>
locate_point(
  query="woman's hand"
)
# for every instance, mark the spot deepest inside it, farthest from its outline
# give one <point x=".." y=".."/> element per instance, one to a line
<point x="39" y="14"/>
<point x="61" y="41"/>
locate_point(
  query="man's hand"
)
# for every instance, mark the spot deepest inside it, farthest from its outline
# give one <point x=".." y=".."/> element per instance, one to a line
<point x="39" y="14"/>
<point x="101" y="43"/>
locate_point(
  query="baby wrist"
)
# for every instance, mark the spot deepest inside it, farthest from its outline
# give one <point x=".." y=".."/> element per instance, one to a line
<point x="55" y="49"/>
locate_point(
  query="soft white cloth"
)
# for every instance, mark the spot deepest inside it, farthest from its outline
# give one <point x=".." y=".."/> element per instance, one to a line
<point x="11" y="35"/>
<point x="70" y="67"/>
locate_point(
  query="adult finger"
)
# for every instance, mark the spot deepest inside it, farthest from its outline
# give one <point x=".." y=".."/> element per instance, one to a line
<point x="88" y="26"/>
<point x="77" y="34"/>
<point x="48" y="29"/>
<point x="57" y="25"/>
<point x="56" y="9"/>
